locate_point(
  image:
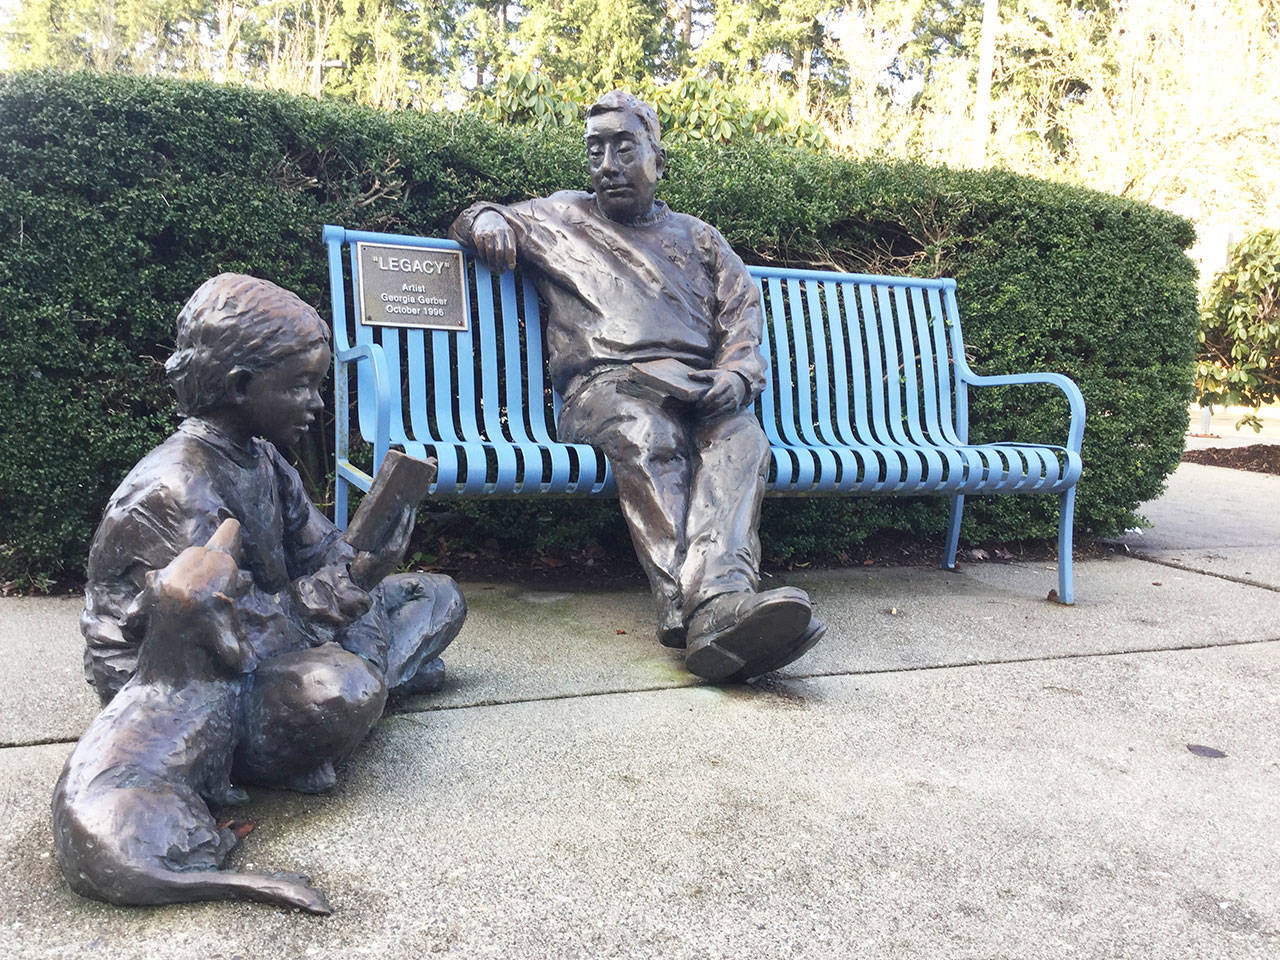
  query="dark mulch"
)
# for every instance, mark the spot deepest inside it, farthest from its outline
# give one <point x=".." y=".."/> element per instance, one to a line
<point x="596" y="568"/>
<point x="1258" y="457"/>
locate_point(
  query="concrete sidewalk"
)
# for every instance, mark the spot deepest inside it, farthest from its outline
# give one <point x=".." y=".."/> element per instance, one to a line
<point x="961" y="769"/>
<point x="1222" y="430"/>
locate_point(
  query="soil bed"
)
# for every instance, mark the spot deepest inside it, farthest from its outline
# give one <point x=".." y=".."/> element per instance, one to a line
<point x="1258" y="457"/>
<point x="598" y="568"/>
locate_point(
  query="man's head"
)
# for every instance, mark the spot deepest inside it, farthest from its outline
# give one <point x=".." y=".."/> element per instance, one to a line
<point x="252" y="352"/>
<point x="624" y="152"/>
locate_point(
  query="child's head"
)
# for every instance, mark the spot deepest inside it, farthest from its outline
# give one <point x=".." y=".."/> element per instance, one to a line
<point x="235" y="329"/>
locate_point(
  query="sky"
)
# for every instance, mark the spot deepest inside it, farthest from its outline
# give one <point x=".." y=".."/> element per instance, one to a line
<point x="7" y="9"/>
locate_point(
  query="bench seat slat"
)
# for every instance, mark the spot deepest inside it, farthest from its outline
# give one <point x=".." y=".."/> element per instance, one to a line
<point x="992" y="468"/>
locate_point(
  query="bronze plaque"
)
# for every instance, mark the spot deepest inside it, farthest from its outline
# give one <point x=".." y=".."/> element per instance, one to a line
<point x="411" y="287"/>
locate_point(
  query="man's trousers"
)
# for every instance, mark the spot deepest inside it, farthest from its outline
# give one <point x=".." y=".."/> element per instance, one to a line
<point x="690" y="488"/>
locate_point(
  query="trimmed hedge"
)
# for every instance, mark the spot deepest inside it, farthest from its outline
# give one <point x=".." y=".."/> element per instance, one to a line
<point x="119" y="195"/>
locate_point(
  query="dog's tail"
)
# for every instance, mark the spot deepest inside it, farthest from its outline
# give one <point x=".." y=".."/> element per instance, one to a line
<point x="280" y="889"/>
<point x="152" y="886"/>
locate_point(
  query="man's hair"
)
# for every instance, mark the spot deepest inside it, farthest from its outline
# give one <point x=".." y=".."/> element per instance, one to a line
<point x="231" y="321"/>
<point x="620" y="100"/>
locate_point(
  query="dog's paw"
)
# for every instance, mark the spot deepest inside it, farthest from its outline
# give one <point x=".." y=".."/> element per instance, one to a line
<point x="230" y="797"/>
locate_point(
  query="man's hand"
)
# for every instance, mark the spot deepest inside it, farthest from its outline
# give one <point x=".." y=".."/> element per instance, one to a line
<point x="495" y="241"/>
<point x="726" y="393"/>
<point x="370" y="566"/>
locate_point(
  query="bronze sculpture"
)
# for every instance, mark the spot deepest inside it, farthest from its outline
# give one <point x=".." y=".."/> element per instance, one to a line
<point x="328" y="633"/>
<point x="627" y="281"/>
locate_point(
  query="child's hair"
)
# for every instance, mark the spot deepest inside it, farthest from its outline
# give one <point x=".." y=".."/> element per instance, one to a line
<point x="231" y="321"/>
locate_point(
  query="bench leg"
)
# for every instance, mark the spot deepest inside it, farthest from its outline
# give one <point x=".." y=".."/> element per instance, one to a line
<point x="341" y="489"/>
<point x="953" y="533"/>
<point x="1066" y="521"/>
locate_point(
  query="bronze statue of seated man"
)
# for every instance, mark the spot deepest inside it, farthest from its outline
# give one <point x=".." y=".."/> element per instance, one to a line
<point x="627" y="281"/>
<point x="332" y="633"/>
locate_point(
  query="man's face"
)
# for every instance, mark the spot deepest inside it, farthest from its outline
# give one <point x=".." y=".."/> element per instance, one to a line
<point x="625" y="168"/>
<point x="281" y="401"/>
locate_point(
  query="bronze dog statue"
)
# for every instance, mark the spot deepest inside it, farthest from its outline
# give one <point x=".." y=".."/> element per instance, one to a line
<point x="131" y="820"/>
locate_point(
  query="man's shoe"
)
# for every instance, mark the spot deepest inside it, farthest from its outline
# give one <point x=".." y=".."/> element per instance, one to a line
<point x="804" y="643"/>
<point x="671" y="631"/>
<point x="672" y="635"/>
<point x="731" y="633"/>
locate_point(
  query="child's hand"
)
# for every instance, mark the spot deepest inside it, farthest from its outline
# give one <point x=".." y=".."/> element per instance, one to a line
<point x="370" y="566"/>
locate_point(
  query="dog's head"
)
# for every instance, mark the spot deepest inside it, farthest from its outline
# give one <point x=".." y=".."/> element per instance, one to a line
<point x="191" y="603"/>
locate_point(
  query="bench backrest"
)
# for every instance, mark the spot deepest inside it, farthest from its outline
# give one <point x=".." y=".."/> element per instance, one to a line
<point x="854" y="360"/>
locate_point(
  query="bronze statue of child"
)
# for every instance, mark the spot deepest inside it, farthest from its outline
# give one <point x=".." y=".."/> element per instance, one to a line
<point x="132" y="822"/>
<point x="332" y="633"/>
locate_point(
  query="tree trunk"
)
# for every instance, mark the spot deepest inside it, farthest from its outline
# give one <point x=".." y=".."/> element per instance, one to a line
<point x="317" y="69"/>
<point x="803" y="74"/>
<point x="982" y="107"/>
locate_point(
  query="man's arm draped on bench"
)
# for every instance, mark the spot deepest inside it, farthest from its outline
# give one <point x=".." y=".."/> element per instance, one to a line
<point x="618" y="293"/>
<point x="627" y="280"/>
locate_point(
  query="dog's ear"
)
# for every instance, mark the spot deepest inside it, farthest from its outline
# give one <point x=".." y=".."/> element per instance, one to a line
<point x="227" y="538"/>
<point x="223" y="639"/>
<point x="235" y="656"/>
<point x="135" y="617"/>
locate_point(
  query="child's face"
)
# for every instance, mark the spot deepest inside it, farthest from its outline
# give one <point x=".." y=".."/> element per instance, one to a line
<point x="281" y="401"/>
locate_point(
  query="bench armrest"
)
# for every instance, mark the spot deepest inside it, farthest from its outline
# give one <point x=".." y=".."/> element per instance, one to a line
<point x="372" y="354"/>
<point x="1075" y="431"/>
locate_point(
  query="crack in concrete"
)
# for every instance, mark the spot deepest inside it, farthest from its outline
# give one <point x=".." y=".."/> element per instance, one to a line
<point x="1186" y="568"/>
<point x="415" y="712"/>
<point x="956" y="665"/>
<point x="49" y="742"/>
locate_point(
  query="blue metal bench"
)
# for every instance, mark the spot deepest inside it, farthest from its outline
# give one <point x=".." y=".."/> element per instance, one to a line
<point x="868" y="395"/>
